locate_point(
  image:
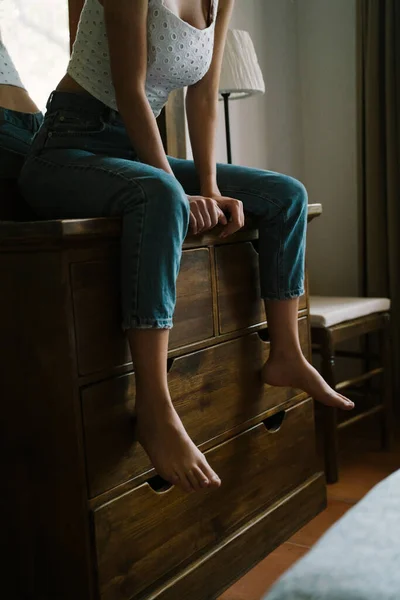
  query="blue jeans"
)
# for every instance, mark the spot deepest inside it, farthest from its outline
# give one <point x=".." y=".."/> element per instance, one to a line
<point x="16" y="132"/>
<point x="82" y="165"/>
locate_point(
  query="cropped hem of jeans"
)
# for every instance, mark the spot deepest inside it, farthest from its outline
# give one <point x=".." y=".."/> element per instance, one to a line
<point x="144" y="323"/>
<point x="285" y="295"/>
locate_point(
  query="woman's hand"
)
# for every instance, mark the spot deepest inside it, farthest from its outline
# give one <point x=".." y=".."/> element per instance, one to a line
<point x="234" y="208"/>
<point x="206" y="212"/>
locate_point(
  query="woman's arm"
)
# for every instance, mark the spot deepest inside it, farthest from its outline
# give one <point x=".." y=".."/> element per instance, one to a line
<point x="126" y="23"/>
<point x="201" y="107"/>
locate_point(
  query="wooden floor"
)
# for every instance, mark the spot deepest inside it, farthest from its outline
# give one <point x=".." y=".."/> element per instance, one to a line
<point x="363" y="465"/>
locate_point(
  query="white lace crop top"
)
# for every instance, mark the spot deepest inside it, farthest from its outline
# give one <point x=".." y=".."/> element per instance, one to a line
<point x="8" y="72"/>
<point x="178" y="54"/>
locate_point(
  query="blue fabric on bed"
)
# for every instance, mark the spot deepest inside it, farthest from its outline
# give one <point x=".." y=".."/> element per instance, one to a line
<point x="357" y="559"/>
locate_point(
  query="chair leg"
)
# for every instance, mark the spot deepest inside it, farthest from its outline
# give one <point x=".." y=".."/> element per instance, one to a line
<point x="329" y="413"/>
<point x="366" y="344"/>
<point x="387" y="388"/>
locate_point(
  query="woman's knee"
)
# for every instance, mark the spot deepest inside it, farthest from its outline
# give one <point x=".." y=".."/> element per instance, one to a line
<point x="298" y="193"/>
<point x="169" y="199"/>
<point x="174" y="197"/>
<point x="283" y="191"/>
<point x="293" y="193"/>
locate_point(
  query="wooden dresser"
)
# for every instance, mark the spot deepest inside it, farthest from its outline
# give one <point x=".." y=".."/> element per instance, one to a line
<point x="86" y="517"/>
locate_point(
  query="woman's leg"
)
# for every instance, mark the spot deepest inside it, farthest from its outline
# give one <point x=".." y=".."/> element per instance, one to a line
<point x="155" y="213"/>
<point x="287" y="365"/>
<point x="280" y="204"/>
<point x="159" y="428"/>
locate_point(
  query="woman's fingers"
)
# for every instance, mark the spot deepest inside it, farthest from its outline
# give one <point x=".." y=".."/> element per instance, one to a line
<point x="235" y="208"/>
<point x="214" y="212"/>
<point x="204" y="210"/>
<point x="200" y="220"/>
<point x="205" y="213"/>
<point x="196" y="221"/>
<point x="192" y="223"/>
<point x="222" y="220"/>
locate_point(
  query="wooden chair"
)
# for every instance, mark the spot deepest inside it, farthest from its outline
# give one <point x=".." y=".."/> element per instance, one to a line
<point x="335" y="320"/>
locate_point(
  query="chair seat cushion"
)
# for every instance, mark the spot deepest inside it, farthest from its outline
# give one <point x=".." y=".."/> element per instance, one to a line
<point x="326" y="311"/>
<point x="357" y="559"/>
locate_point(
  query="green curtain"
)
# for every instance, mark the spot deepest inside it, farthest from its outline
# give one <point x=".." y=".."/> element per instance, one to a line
<point x="379" y="156"/>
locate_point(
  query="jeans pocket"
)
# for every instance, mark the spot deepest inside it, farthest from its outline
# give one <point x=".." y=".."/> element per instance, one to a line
<point x="67" y="123"/>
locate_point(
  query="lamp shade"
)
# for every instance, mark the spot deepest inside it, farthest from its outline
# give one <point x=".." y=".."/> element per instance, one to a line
<point x="240" y="74"/>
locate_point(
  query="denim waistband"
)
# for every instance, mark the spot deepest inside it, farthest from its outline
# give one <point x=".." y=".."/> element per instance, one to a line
<point x="82" y="103"/>
<point x="28" y="121"/>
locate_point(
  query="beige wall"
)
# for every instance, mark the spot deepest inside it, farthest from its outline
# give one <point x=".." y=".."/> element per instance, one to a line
<point x="265" y="130"/>
<point x="305" y="124"/>
<point x="327" y="66"/>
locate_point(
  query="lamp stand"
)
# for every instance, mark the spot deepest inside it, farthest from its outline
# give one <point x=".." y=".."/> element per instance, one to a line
<point x="227" y="127"/>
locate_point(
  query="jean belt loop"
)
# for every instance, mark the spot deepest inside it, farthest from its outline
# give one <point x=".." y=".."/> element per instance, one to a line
<point x="49" y="101"/>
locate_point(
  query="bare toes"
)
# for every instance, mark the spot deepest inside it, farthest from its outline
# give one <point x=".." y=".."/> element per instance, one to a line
<point x="339" y="401"/>
<point x="202" y="479"/>
<point x="185" y="484"/>
<point x="174" y="479"/>
<point x="349" y="404"/>
<point x="346" y="399"/>
<point x="194" y="481"/>
<point x="215" y="481"/>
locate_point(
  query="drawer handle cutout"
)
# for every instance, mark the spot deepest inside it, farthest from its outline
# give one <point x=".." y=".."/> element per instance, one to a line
<point x="274" y="423"/>
<point x="263" y="334"/>
<point x="256" y="245"/>
<point x="159" y="485"/>
<point x="170" y="362"/>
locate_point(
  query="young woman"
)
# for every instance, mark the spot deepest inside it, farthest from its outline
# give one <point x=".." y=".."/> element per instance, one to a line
<point x="99" y="153"/>
<point x="20" y="118"/>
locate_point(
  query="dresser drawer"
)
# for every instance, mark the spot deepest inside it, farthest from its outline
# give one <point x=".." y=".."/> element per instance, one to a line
<point x="238" y="285"/>
<point x="101" y="343"/>
<point x="213" y="390"/>
<point x="144" y="535"/>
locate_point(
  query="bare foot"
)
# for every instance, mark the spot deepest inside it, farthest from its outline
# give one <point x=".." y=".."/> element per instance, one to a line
<point x="296" y="372"/>
<point x="173" y="454"/>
